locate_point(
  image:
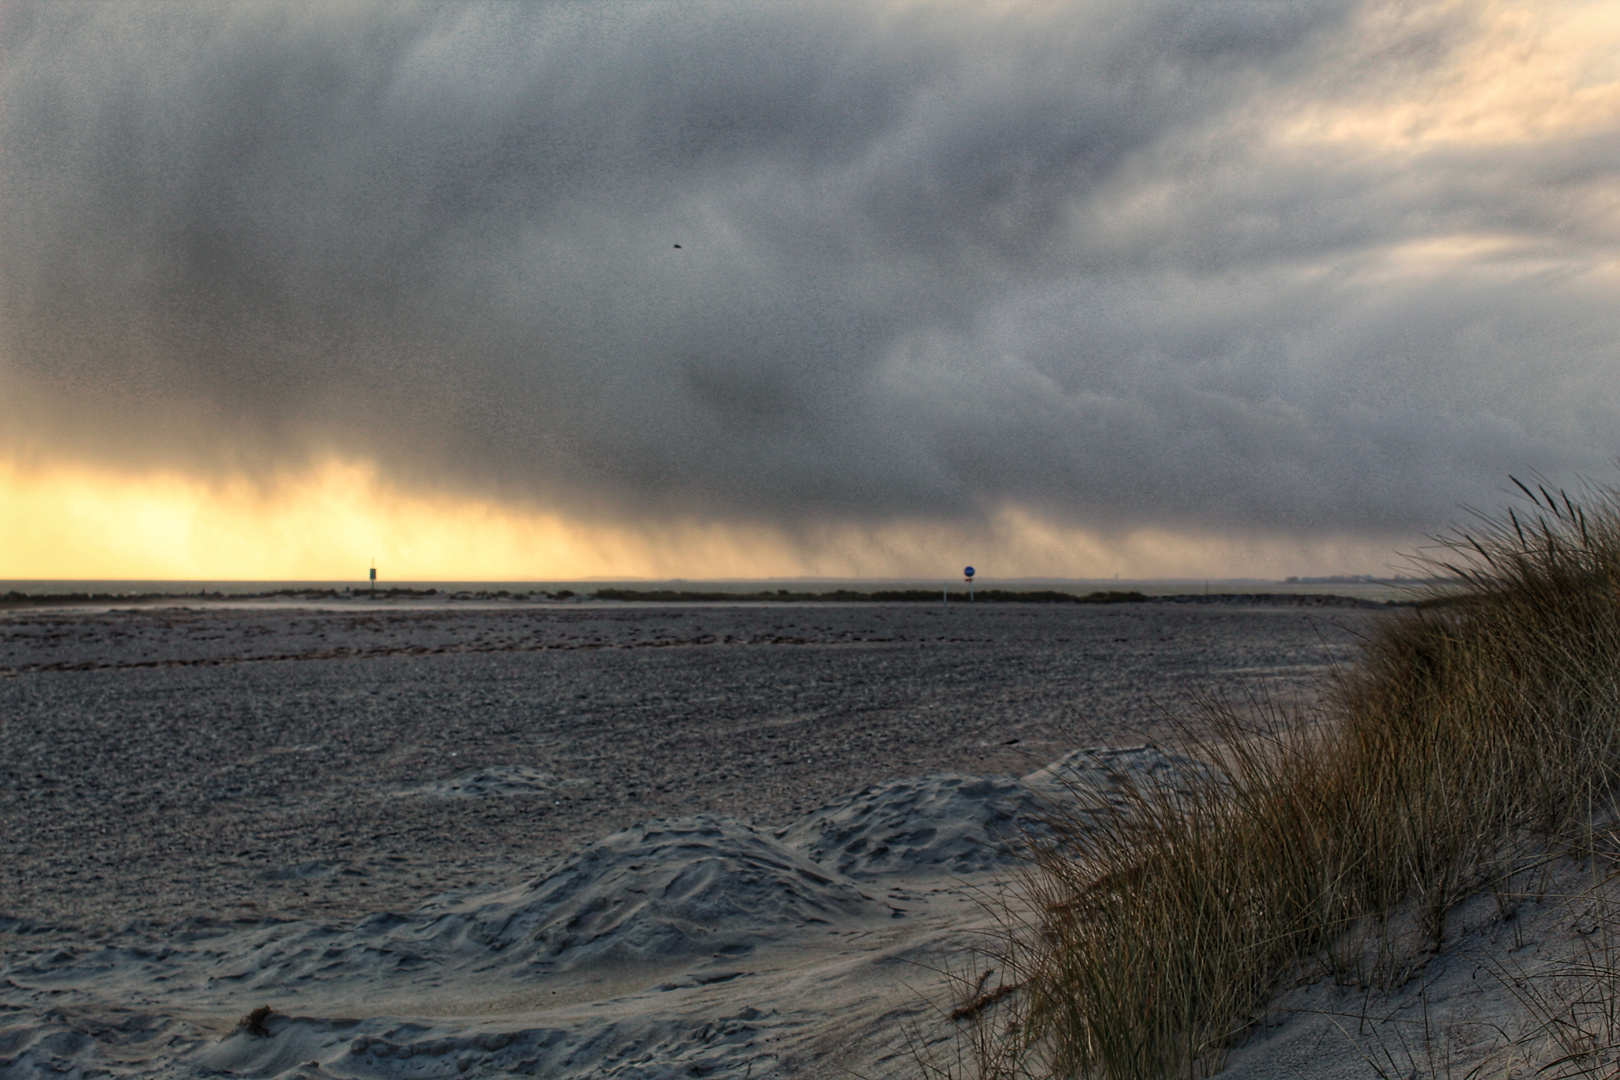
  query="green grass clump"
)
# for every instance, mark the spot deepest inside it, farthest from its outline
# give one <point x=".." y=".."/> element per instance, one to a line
<point x="1470" y="734"/>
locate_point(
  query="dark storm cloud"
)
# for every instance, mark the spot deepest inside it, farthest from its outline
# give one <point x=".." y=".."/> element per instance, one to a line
<point x="931" y="261"/>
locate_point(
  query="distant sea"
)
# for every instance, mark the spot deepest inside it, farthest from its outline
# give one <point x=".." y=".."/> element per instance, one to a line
<point x="1362" y="588"/>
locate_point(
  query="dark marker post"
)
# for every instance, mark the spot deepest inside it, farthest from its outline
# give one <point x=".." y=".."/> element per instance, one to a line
<point x="373" y="577"/>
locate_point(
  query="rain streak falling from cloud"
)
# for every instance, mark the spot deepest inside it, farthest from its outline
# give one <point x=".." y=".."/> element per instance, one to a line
<point x="1312" y="267"/>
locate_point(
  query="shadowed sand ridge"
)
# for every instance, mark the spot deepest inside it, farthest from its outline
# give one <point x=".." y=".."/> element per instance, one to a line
<point x="695" y="943"/>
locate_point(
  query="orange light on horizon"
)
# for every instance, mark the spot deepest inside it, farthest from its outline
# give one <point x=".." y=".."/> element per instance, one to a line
<point x="68" y="522"/>
<point x="75" y="522"/>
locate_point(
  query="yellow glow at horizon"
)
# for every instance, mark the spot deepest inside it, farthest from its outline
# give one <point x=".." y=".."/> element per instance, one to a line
<point x="73" y="522"/>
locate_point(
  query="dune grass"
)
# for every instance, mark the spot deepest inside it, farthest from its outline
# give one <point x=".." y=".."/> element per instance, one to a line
<point x="1473" y="732"/>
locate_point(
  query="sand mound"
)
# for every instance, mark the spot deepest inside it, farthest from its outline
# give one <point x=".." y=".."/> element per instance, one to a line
<point x="1104" y="770"/>
<point x="942" y="824"/>
<point x="953" y="824"/>
<point x="87" y="1042"/>
<point x="693" y="913"/>
<point x="658" y="891"/>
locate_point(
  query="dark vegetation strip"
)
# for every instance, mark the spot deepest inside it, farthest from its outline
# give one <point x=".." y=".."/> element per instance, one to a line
<point x="1001" y="596"/>
<point x="16" y="599"/>
<point x="880" y="596"/>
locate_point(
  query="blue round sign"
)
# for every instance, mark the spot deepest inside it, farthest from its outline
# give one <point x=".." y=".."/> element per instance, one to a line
<point x="968" y="572"/>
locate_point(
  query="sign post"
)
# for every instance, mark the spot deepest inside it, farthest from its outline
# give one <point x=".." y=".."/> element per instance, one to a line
<point x="968" y="573"/>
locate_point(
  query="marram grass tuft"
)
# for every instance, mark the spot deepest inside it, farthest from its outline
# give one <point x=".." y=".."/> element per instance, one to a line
<point x="1477" y="730"/>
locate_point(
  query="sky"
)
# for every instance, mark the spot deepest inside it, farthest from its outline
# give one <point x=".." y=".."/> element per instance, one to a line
<point x="724" y="288"/>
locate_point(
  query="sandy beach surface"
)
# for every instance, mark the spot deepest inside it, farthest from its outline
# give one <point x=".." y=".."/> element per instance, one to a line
<point x="550" y="839"/>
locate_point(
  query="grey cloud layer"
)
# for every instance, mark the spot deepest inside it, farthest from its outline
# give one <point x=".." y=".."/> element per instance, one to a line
<point x="932" y="261"/>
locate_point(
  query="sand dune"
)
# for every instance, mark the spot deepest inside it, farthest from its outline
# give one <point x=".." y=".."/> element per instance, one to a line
<point x="694" y="946"/>
<point x="566" y="843"/>
<point x="702" y="946"/>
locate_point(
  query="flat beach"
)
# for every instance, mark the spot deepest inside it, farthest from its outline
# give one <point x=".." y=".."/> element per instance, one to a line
<point x="373" y="818"/>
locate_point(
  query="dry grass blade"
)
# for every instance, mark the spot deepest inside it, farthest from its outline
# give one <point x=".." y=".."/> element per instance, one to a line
<point x="1476" y="728"/>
